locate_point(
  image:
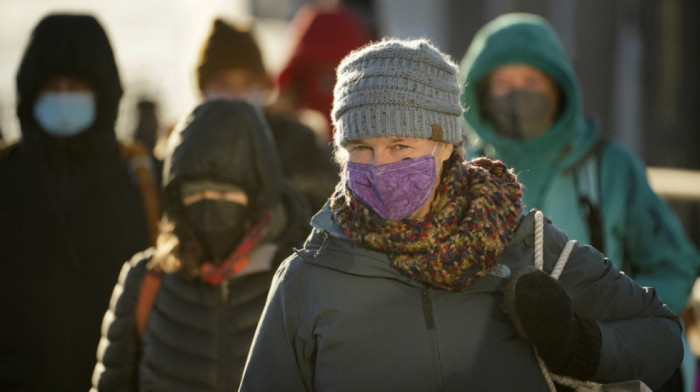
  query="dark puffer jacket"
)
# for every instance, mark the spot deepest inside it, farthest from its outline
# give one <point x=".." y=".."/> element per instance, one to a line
<point x="198" y="335"/>
<point x="70" y="215"/>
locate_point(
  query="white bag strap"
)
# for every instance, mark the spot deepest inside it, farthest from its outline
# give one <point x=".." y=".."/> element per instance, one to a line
<point x="549" y="377"/>
<point x="539" y="248"/>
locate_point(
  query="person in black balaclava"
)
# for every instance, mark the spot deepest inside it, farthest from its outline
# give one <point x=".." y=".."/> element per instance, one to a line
<point x="69" y="212"/>
<point x="146" y="135"/>
<point x="229" y="220"/>
<point x="147" y="128"/>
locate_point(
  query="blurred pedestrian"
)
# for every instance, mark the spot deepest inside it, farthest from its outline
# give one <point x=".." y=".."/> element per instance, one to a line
<point x="70" y="213"/>
<point x="401" y="285"/>
<point x="147" y="124"/>
<point x="231" y="66"/>
<point x="147" y="132"/>
<point x="146" y="165"/>
<point x="366" y="12"/>
<point x="229" y="221"/>
<point x="525" y="108"/>
<point x="322" y="33"/>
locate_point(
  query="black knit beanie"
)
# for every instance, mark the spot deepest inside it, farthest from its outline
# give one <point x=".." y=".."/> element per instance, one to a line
<point x="228" y="46"/>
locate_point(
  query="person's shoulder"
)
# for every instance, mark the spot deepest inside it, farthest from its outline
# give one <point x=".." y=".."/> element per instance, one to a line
<point x="7" y="151"/>
<point x="554" y="243"/>
<point x="136" y="268"/>
<point x="17" y="165"/>
<point x="316" y="262"/>
<point x="612" y="147"/>
<point x="280" y="121"/>
<point x="297" y="206"/>
<point x="292" y="273"/>
<point x="140" y="259"/>
<point x="287" y="129"/>
<point x="615" y="152"/>
<point x="619" y="160"/>
<point x="312" y="253"/>
<point x="527" y="231"/>
<point x="527" y="227"/>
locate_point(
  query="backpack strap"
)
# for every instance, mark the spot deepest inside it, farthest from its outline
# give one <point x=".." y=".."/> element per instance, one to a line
<point x="147" y="296"/>
<point x="539" y="248"/>
<point x="140" y="165"/>
<point x="551" y="378"/>
<point x="588" y="180"/>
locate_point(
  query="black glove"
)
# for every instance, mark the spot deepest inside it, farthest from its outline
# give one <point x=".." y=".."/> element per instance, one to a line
<point x="543" y="315"/>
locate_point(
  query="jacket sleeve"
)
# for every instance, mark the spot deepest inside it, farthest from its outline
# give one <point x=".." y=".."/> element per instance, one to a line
<point x="641" y="337"/>
<point x="117" y="352"/>
<point x="657" y="251"/>
<point x="280" y="356"/>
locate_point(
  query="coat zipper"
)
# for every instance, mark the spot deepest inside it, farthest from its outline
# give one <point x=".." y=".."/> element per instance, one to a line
<point x="430" y="325"/>
<point x="221" y="333"/>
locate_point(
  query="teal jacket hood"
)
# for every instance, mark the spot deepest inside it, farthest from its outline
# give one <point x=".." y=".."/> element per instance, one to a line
<point x="528" y="39"/>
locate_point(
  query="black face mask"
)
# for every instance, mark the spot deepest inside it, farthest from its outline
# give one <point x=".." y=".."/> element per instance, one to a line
<point x="218" y="225"/>
<point x="520" y="114"/>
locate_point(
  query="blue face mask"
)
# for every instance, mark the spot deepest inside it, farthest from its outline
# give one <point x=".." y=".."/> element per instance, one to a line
<point x="65" y="114"/>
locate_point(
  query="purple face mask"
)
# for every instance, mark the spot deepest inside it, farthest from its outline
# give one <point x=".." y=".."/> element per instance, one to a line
<point x="394" y="190"/>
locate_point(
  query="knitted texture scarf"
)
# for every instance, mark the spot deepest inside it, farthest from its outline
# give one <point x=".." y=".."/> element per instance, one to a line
<point x="472" y="218"/>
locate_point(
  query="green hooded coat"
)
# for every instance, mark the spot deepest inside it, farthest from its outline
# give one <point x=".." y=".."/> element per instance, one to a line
<point x="641" y="234"/>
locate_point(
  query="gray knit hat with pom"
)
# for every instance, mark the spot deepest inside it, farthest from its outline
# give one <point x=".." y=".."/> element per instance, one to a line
<point x="397" y="88"/>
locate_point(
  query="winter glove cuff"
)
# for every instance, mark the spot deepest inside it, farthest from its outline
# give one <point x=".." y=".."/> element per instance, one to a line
<point x="585" y="357"/>
<point x="543" y="314"/>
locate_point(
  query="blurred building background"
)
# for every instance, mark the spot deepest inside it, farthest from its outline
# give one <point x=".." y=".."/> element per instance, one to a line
<point x="637" y="60"/>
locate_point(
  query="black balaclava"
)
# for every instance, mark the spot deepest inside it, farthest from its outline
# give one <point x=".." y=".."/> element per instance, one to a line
<point x="219" y="225"/>
<point x="221" y="142"/>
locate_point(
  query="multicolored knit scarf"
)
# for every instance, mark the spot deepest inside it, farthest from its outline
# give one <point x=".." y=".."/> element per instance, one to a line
<point x="475" y="211"/>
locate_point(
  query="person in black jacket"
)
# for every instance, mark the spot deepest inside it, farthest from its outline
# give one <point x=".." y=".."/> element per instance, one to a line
<point x="229" y="220"/>
<point x="69" y="212"/>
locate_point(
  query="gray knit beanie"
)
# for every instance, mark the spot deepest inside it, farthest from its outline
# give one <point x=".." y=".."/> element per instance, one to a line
<point x="397" y="88"/>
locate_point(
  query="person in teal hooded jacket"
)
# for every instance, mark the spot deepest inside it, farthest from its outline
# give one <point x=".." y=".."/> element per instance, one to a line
<point x="524" y="107"/>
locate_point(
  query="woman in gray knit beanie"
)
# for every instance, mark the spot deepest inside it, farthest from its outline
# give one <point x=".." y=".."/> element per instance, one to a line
<point x="400" y="286"/>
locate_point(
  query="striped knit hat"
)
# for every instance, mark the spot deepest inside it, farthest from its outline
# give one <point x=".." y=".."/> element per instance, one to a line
<point x="397" y="88"/>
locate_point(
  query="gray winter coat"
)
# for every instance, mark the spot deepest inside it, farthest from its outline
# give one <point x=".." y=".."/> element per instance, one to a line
<point x="340" y="318"/>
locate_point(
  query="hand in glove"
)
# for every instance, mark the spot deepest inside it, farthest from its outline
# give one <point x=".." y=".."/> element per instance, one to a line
<point x="543" y="315"/>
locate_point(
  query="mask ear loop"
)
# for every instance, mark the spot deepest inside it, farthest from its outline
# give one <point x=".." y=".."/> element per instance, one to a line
<point x="434" y="148"/>
<point x="438" y="170"/>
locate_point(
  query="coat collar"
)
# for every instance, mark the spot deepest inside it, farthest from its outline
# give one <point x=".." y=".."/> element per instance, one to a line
<point x="329" y="247"/>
